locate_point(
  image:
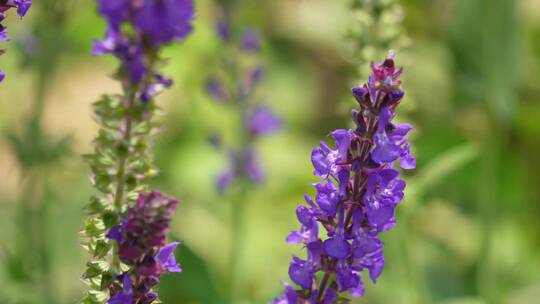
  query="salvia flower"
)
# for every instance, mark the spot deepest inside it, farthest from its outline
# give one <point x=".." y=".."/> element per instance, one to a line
<point x="141" y="238"/>
<point x="155" y="23"/>
<point x="22" y="7"/>
<point x="126" y="229"/>
<point x="356" y="198"/>
<point x="237" y="87"/>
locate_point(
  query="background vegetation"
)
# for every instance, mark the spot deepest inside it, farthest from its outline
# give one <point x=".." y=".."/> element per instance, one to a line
<point x="468" y="232"/>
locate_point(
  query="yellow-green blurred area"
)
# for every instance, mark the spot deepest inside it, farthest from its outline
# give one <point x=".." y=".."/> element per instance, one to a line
<point x="468" y="231"/>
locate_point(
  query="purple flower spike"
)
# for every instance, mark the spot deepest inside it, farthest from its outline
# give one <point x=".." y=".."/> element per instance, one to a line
<point x="237" y="88"/>
<point x="261" y="121"/>
<point x="357" y="198"/>
<point x="251" y="41"/>
<point x="137" y="31"/>
<point x="157" y="22"/>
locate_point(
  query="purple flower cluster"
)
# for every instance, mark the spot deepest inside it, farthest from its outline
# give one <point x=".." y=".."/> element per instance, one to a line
<point x="356" y="198"/>
<point x="152" y="24"/>
<point x="22" y="7"/>
<point x="141" y="238"/>
<point x="257" y="119"/>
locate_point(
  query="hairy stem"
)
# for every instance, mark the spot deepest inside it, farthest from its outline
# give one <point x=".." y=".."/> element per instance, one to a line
<point x="123" y="159"/>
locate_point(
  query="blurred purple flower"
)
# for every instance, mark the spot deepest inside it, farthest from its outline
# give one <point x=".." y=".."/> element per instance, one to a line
<point x="237" y="86"/>
<point x="250" y="40"/>
<point x="223" y="29"/>
<point x="262" y="121"/>
<point x="165" y="20"/>
<point x="159" y="22"/>
<point x="216" y="90"/>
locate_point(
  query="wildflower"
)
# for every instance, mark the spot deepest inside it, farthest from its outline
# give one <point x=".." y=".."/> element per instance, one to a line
<point x="357" y="198"/>
<point x="159" y="22"/>
<point x="135" y="231"/>
<point x="257" y="119"/>
<point x="141" y="239"/>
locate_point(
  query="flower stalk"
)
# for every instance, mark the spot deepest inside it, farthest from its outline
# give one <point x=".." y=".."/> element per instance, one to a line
<point x="236" y="85"/>
<point x="356" y="198"/>
<point x="127" y="225"/>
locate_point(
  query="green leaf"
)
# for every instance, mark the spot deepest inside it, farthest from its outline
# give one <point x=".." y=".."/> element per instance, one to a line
<point x="439" y="168"/>
<point x="96" y="296"/>
<point x="97" y="205"/>
<point x="101" y="248"/>
<point x="106" y="280"/>
<point x="95" y="268"/>
<point x="110" y="219"/>
<point x="94" y="227"/>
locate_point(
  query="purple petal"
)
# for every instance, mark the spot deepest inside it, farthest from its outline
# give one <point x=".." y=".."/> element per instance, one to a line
<point x="167" y="259"/>
<point x="3" y="34"/>
<point x="343" y="141"/>
<point x="224" y="181"/>
<point x="22" y="6"/>
<point x="165" y="20"/>
<point x="253" y="168"/>
<point x="250" y="41"/>
<point x="346" y="277"/>
<point x="115" y="233"/>
<point x="114" y="11"/>
<point x="337" y="248"/>
<point x="261" y="121"/>
<point x="125" y="295"/>
<point x="294" y="238"/>
<point x="379" y="216"/>
<point x="376" y="269"/>
<point x="408" y="162"/>
<point x="216" y="90"/>
<point x="301" y="273"/>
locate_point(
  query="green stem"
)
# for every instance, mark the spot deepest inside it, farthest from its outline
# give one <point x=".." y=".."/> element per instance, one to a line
<point x="487" y="201"/>
<point x="414" y="271"/>
<point x="123" y="160"/>
<point x="238" y="210"/>
<point x="322" y="287"/>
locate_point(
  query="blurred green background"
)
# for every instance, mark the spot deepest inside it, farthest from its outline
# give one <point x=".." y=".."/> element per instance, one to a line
<point x="468" y="231"/>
